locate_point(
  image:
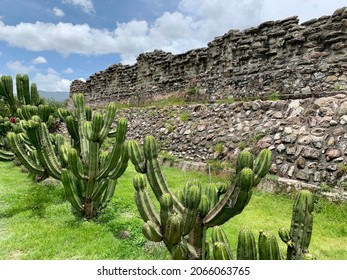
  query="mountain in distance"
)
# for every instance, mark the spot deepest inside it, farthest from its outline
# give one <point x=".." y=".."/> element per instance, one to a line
<point x="55" y="95"/>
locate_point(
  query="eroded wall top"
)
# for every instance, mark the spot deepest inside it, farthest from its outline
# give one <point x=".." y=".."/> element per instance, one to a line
<point x="284" y="57"/>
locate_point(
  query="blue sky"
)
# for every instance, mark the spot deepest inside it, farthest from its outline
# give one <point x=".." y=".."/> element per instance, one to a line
<point x="58" y="41"/>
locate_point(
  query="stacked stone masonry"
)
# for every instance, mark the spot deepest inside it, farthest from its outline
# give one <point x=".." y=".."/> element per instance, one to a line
<point x="308" y="137"/>
<point x="305" y="65"/>
<point x="284" y="57"/>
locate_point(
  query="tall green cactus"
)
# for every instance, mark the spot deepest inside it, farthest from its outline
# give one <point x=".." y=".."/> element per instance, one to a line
<point x="246" y="247"/>
<point x="88" y="173"/>
<point x="299" y="237"/>
<point x="185" y="216"/>
<point x="90" y="181"/>
<point x="6" y="93"/>
<point x="27" y="94"/>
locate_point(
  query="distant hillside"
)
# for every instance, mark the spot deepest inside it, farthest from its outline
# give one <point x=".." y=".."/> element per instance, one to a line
<point x="56" y="95"/>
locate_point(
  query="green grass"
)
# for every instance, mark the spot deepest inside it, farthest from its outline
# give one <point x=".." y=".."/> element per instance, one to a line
<point x="37" y="223"/>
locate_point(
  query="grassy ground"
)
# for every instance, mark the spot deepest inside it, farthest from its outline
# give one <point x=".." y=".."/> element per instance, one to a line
<point x="37" y="223"/>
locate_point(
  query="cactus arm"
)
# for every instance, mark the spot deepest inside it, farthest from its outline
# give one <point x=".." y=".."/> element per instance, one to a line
<point x="301" y="225"/>
<point x="116" y="152"/>
<point x="143" y="201"/>
<point x="109" y="192"/>
<point x="35" y="97"/>
<point x="180" y="251"/>
<point x="152" y="231"/>
<point x="97" y="123"/>
<point x="6" y="90"/>
<point x="101" y="186"/>
<point x="19" y="86"/>
<point x="69" y="183"/>
<point x="22" y="156"/>
<point x="245" y="159"/>
<point x="137" y="157"/>
<point x="234" y="200"/>
<point x="261" y="165"/>
<point x="174" y="228"/>
<point x="76" y="164"/>
<point x="79" y="102"/>
<point x="246" y="247"/>
<point x="109" y="117"/>
<point x="268" y="246"/>
<point x="26" y="89"/>
<point x="218" y="235"/>
<point x="121" y="165"/>
<point x="6" y="155"/>
<point x="72" y="128"/>
<point x="220" y="251"/>
<point x="154" y="174"/>
<point x="50" y="158"/>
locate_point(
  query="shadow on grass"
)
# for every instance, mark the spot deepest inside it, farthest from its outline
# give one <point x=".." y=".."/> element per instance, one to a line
<point x="34" y="199"/>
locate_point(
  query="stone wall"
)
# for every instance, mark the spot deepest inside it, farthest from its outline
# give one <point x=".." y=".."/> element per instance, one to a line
<point x="284" y="57"/>
<point x="308" y="137"/>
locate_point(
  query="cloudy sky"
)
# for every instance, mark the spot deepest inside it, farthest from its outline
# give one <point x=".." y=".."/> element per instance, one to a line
<point x="57" y="41"/>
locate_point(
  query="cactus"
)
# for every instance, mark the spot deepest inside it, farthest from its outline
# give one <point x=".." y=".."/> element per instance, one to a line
<point x="27" y="94"/>
<point x="6" y="155"/>
<point x="87" y="172"/>
<point x="91" y="177"/>
<point x="268" y="246"/>
<point x="299" y="237"/>
<point x="220" y="245"/>
<point x="35" y="137"/>
<point x="246" y="247"/>
<point x="6" y="93"/>
<point x="185" y="216"/>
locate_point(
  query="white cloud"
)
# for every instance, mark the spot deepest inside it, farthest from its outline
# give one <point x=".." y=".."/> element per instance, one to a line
<point x="51" y="81"/>
<point x="193" y="25"/>
<point x="40" y="60"/>
<point x="85" y="5"/>
<point x="68" y="70"/>
<point x="58" y="12"/>
<point x="17" y="67"/>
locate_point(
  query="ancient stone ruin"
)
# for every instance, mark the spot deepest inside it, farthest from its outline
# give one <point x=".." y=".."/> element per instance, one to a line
<point x="303" y="65"/>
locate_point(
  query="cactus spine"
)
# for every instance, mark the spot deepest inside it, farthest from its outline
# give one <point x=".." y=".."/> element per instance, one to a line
<point x="186" y="215"/>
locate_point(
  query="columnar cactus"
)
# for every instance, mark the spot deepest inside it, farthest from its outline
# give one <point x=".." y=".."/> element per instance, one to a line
<point x="88" y="174"/>
<point x="6" y="93"/>
<point x="27" y="94"/>
<point x="299" y="237"/>
<point x="44" y="111"/>
<point x="185" y="216"/>
<point x="246" y="247"/>
<point x="34" y="148"/>
<point x="90" y="181"/>
<point x="268" y="246"/>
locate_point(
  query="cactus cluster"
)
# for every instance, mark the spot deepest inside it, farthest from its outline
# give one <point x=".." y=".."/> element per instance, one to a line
<point x="34" y="148"/>
<point x="297" y="238"/>
<point x="185" y="216"/>
<point x="88" y="173"/>
<point x="27" y="94"/>
<point x="6" y="93"/>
